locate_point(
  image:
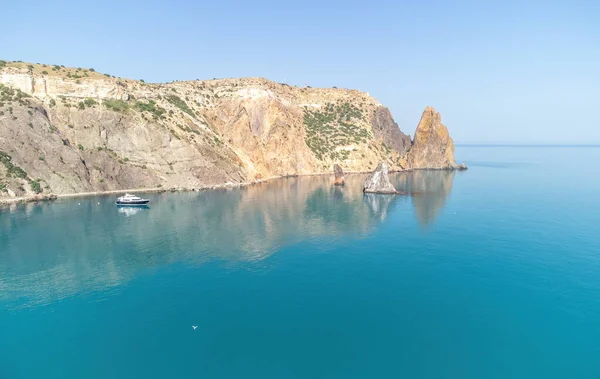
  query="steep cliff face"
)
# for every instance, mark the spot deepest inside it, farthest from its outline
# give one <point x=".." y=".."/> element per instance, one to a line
<point x="432" y="146"/>
<point x="386" y="129"/>
<point x="64" y="149"/>
<point x="66" y="130"/>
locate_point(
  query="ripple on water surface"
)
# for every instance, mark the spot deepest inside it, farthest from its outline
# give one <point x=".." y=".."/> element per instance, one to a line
<point x="489" y="273"/>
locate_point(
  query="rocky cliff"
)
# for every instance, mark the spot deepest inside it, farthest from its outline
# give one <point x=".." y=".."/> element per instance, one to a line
<point x="68" y="130"/>
<point x="432" y="147"/>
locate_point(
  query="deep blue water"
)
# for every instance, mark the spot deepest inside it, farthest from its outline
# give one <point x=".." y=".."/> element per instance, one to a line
<point x="489" y="273"/>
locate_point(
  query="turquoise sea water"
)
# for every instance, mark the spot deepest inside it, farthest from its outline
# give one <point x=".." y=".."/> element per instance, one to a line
<point x="489" y="273"/>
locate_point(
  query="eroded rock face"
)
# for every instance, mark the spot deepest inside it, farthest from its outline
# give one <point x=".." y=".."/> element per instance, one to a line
<point x="432" y="147"/>
<point x="386" y="129"/>
<point x="339" y="175"/>
<point x="379" y="181"/>
<point x="54" y="86"/>
<point x="99" y="150"/>
<point x="76" y="130"/>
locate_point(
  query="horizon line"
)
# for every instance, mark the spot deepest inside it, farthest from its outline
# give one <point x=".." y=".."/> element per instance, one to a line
<point x="527" y="144"/>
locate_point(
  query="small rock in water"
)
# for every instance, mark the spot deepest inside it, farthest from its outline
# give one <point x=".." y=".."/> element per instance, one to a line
<point x="339" y="175"/>
<point x="379" y="181"/>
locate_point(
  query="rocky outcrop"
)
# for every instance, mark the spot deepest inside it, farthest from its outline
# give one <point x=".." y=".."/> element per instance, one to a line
<point x="47" y="86"/>
<point x="379" y="181"/>
<point x="432" y="147"/>
<point x="339" y="175"/>
<point x="72" y="130"/>
<point x="386" y="129"/>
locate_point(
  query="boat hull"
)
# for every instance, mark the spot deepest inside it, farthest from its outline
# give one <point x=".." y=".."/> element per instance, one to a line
<point x="138" y="203"/>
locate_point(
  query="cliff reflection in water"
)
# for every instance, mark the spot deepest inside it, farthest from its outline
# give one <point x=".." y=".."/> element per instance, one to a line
<point x="430" y="188"/>
<point x="53" y="250"/>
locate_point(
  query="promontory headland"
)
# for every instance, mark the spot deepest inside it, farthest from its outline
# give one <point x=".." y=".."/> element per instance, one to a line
<point x="74" y="130"/>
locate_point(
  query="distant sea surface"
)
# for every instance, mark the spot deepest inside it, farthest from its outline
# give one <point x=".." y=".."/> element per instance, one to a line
<point x="489" y="273"/>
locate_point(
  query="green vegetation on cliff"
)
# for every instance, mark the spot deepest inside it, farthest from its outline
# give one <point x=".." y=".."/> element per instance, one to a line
<point x="8" y="95"/>
<point x="89" y="102"/>
<point x="156" y="110"/>
<point x="332" y="128"/>
<point x="181" y="104"/>
<point x="12" y="170"/>
<point x="116" y="105"/>
<point x="35" y="186"/>
<point x="150" y="106"/>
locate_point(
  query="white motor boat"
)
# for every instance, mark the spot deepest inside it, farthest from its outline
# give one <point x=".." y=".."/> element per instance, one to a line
<point x="132" y="200"/>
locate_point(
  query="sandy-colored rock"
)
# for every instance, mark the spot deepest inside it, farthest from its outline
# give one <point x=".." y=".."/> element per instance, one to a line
<point x="339" y="175"/>
<point x="54" y="86"/>
<point x="379" y="181"/>
<point x="75" y="130"/>
<point x="432" y="147"/>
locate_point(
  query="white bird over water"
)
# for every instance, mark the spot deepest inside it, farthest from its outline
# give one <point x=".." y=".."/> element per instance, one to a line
<point x="194" y="327"/>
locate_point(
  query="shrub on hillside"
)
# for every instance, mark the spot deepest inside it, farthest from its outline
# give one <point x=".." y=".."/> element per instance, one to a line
<point x="179" y="103"/>
<point x="89" y="102"/>
<point x="35" y="186"/>
<point x="116" y="105"/>
<point x="157" y="111"/>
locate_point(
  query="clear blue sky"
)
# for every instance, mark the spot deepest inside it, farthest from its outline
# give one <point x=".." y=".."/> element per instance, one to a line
<point x="499" y="72"/>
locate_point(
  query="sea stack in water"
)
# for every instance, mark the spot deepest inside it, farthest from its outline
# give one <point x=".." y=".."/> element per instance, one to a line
<point x="432" y="147"/>
<point x="379" y="181"/>
<point x="339" y="175"/>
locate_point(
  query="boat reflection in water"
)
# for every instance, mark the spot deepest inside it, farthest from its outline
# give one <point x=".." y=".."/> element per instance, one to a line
<point x="129" y="210"/>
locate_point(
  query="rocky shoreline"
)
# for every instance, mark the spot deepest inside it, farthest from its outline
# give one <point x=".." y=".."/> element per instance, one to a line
<point x="52" y="196"/>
